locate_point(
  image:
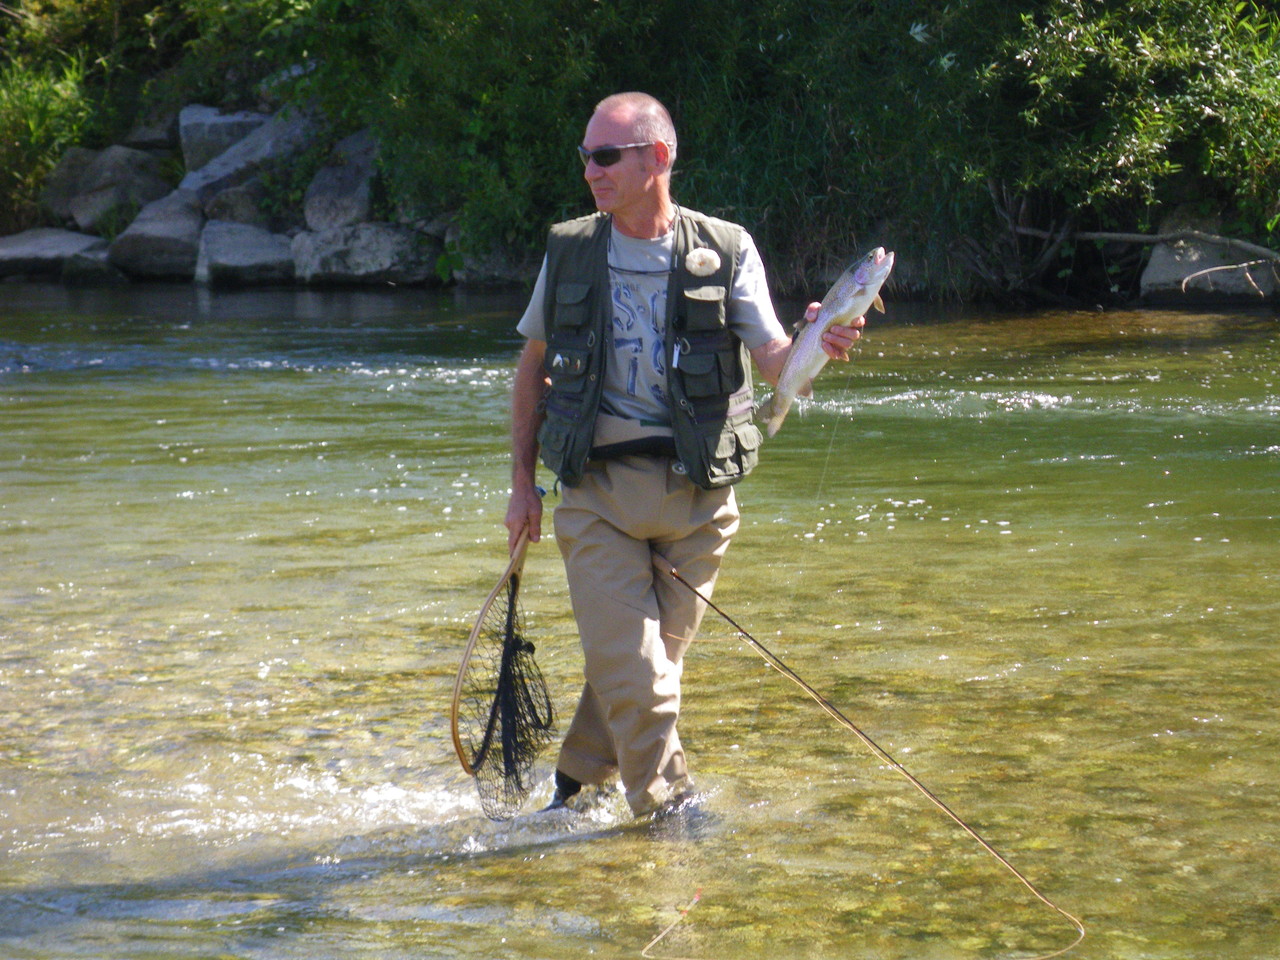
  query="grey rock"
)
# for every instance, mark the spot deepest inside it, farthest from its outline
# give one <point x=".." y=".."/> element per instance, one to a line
<point x="206" y="132"/>
<point x="365" y="253"/>
<point x="154" y="133"/>
<point x="92" y="268"/>
<point x="114" y="186"/>
<point x="42" y="251"/>
<point x="491" y="267"/>
<point x="341" y="195"/>
<point x="1185" y="260"/>
<point x="238" y="253"/>
<point x="278" y="139"/>
<point x="63" y="183"/>
<point x="164" y="240"/>
<point x="241" y="204"/>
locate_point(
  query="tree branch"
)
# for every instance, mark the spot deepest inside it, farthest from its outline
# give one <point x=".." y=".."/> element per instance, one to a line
<point x="1263" y="253"/>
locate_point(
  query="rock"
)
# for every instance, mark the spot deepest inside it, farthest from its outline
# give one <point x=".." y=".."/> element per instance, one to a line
<point x="1173" y="262"/>
<point x="242" y="204"/>
<point x="341" y="195"/>
<point x="206" y="132"/>
<point x="114" y="185"/>
<point x="92" y="268"/>
<point x="159" y="133"/>
<point x="164" y="240"/>
<point x="278" y="139"/>
<point x="42" y="251"/>
<point x="492" y="267"/>
<point x="63" y="184"/>
<point x="238" y="253"/>
<point x="365" y="253"/>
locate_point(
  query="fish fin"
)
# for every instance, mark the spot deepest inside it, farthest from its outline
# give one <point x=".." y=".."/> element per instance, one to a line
<point x="765" y="410"/>
<point x="878" y="303"/>
<point x="806" y="391"/>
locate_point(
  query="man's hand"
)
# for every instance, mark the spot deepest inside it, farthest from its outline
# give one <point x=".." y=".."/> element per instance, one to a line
<point x="839" y="339"/>
<point x="524" y="510"/>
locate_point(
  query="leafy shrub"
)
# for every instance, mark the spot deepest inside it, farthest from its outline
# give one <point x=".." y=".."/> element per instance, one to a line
<point x="43" y="110"/>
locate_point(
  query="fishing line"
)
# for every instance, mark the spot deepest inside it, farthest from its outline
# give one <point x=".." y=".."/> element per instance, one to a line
<point x="831" y="443"/>
<point x="881" y="754"/>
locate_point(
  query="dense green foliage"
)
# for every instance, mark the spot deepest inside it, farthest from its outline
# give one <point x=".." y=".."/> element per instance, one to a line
<point x="823" y="125"/>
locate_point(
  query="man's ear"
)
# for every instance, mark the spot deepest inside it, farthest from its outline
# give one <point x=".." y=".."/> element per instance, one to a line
<point x="662" y="156"/>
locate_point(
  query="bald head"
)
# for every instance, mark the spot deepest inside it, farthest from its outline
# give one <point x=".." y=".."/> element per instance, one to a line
<point x="649" y="119"/>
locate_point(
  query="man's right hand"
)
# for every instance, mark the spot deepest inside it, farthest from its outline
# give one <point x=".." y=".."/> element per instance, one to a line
<point x="524" y="510"/>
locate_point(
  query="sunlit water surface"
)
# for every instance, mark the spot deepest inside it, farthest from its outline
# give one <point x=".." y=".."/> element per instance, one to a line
<point x="243" y="536"/>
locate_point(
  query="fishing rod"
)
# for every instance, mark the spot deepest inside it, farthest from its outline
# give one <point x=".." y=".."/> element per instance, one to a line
<point x="666" y="568"/>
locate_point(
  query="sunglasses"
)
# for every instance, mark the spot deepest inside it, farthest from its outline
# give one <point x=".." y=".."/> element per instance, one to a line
<point x="608" y="156"/>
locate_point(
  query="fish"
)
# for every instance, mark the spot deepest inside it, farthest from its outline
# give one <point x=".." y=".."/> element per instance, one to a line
<point x="856" y="291"/>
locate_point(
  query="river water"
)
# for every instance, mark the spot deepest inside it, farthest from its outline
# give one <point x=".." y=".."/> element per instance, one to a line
<point x="243" y="537"/>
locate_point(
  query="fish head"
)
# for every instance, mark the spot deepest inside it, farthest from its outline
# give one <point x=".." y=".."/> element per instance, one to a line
<point x="873" y="268"/>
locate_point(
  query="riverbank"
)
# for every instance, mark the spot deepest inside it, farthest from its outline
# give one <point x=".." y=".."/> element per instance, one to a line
<point x="269" y="198"/>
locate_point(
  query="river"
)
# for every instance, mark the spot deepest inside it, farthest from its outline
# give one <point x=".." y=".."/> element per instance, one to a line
<point x="243" y="536"/>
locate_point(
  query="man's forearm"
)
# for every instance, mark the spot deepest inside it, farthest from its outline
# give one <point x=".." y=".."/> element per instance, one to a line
<point x="527" y="412"/>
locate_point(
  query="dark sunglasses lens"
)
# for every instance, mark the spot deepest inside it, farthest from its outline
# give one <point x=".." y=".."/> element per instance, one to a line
<point x="604" y="156"/>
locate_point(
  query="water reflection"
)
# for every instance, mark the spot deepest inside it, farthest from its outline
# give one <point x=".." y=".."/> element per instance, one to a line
<point x="242" y="536"/>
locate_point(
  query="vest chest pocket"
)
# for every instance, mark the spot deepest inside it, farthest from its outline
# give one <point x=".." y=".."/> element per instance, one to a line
<point x="572" y="302"/>
<point x="703" y="308"/>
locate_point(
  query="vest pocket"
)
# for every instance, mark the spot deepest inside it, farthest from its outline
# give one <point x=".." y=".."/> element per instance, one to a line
<point x="571" y="304"/>
<point x="703" y="308"/>
<point x="733" y="452"/>
<point x="710" y="374"/>
<point x="567" y="368"/>
<point x="553" y="437"/>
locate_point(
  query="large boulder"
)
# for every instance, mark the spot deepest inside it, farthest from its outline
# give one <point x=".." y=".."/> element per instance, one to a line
<point x="62" y="185"/>
<point x="341" y="194"/>
<point x="496" y="266"/>
<point x="1196" y="269"/>
<point x="284" y="135"/>
<point x="238" y="253"/>
<point x="158" y="132"/>
<point x="206" y="132"/>
<point x="241" y="204"/>
<point x="366" y="253"/>
<point x="114" y="186"/>
<point x="92" y="268"/>
<point x="164" y="240"/>
<point x="96" y="190"/>
<point x="42" y="251"/>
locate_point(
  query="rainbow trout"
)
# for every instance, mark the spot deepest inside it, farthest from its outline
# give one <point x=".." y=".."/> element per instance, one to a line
<point x="857" y="290"/>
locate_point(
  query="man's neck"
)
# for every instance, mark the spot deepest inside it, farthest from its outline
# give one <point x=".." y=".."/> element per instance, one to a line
<point x="647" y="225"/>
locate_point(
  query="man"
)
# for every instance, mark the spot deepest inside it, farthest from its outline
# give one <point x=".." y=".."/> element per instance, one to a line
<point x="635" y="386"/>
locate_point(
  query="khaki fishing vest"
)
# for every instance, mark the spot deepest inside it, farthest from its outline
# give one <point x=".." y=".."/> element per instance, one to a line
<point x="708" y="367"/>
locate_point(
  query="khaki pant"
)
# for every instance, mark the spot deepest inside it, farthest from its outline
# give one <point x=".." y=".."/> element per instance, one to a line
<point x="635" y="624"/>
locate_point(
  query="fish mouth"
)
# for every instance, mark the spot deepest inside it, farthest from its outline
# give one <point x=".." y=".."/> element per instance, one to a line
<point x="882" y="259"/>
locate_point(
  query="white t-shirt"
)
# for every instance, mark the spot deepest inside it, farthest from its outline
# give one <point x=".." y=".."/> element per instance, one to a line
<point x="635" y="385"/>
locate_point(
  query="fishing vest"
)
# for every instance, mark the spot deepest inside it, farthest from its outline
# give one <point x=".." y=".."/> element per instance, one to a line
<point x="708" y="367"/>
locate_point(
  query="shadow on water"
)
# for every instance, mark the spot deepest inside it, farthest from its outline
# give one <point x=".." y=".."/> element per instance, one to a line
<point x="399" y="873"/>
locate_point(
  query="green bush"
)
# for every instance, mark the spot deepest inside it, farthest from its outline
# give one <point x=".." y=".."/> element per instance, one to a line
<point x="823" y="125"/>
<point x="43" y="110"/>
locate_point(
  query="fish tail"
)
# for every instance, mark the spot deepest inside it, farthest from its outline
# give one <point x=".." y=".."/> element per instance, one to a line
<point x="773" y="411"/>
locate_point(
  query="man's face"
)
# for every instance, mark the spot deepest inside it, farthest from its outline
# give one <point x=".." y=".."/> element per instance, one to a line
<point x="630" y="183"/>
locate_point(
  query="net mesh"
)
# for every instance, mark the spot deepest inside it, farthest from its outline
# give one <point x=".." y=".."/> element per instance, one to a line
<point x="505" y="715"/>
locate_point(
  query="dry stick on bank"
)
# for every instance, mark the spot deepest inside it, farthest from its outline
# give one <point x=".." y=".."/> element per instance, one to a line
<point x="1262" y="254"/>
<point x="1005" y="266"/>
